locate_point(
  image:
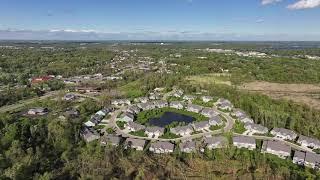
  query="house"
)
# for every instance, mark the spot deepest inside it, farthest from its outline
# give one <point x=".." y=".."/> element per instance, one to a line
<point x="194" y="108"/>
<point x="201" y="126"/>
<point x="161" y="104"/>
<point x="121" y="102"/>
<point x="299" y="157"/>
<point x="38" y="111"/>
<point x="127" y="117"/>
<point x="239" y="114"/>
<point x="246" y="120"/>
<point x="309" y="142"/>
<point x="142" y="99"/>
<point x="208" y="112"/>
<point x="177" y="93"/>
<point x="255" y="128"/>
<point x="154" y="96"/>
<point x="177" y="105"/>
<point x="215" y="121"/>
<point x="41" y="79"/>
<point x="182" y="130"/>
<point x="146" y="106"/>
<point x="111" y="139"/>
<point x="244" y="142"/>
<point x="161" y="147"/>
<point x="87" y="89"/>
<point x="69" y="97"/>
<point x="89" y="134"/>
<point x="132" y="126"/>
<point x="284" y="134"/>
<point x="215" y="142"/>
<point x="312" y="160"/>
<point x="137" y="144"/>
<point x="277" y="148"/>
<point x="188" y="97"/>
<point x="154" y="131"/>
<point x="73" y="113"/>
<point x="206" y="98"/>
<point x="224" y="104"/>
<point x="188" y="146"/>
<point x="133" y="109"/>
<point x="95" y="120"/>
<point x="104" y="112"/>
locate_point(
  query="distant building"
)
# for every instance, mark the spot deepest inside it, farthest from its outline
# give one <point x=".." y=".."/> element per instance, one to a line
<point x="312" y="160"/>
<point x="206" y="98"/>
<point x="188" y="97"/>
<point x="127" y="117"/>
<point x="134" y="109"/>
<point x="38" y="111"/>
<point x="188" y="146"/>
<point x="121" y="102"/>
<point x="299" y="157"/>
<point x="146" y="106"/>
<point x="194" y="108"/>
<point x="201" y="126"/>
<point x="69" y="97"/>
<point x="89" y="134"/>
<point x="41" y="79"/>
<point x="132" y="126"/>
<point x="137" y="144"/>
<point x="161" y="147"/>
<point x="182" y="130"/>
<point x="161" y="104"/>
<point x="224" y="104"/>
<point x="111" y="139"/>
<point x="284" y="134"/>
<point x="208" y="112"/>
<point x="176" y="105"/>
<point x="244" y="142"/>
<point x="277" y="148"/>
<point x="215" y="121"/>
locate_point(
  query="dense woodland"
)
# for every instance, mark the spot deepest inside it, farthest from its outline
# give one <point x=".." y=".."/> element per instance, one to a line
<point x="50" y="147"/>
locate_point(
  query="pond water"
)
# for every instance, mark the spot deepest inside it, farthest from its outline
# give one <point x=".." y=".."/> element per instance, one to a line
<point x="169" y="117"/>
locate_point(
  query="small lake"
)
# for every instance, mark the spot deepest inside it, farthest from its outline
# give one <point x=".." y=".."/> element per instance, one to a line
<point x="169" y="117"/>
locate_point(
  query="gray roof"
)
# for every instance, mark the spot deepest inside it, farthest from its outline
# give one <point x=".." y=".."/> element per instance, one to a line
<point x="201" y="124"/>
<point x="299" y="155"/>
<point x="176" y="103"/>
<point x="161" y="103"/>
<point x="244" y="140"/>
<point x="188" y="145"/>
<point x="133" y="109"/>
<point x="276" y="146"/>
<point x="285" y="132"/>
<point x="194" y="106"/>
<point x="129" y="115"/>
<point x="309" y="140"/>
<point x="209" y="111"/>
<point x="135" y="142"/>
<point x="215" y="140"/>
<point x="181" y="128"/>
<point x="215" y="119"/>
<point x="312" y="158"/>
<point x="113" y="139"/>
<point x="136" y="126"/>
<point x="256" y="127"/>
<point x="155" y="129"/>
<point x="162" y="145"/>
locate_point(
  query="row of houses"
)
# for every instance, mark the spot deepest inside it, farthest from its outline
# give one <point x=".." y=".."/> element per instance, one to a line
<point x="98" y="117"/>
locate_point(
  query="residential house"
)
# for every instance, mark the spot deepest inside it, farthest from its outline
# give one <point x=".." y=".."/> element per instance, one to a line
<point x="277" y="148"/>
<point x="154" y="131"/>
<point x="177" y="93"/>
<point x="95" y="120"/>
<point x="246" y="120"/>
<point x="146" y="106"/>
<point x="142" y="99"/>
<point x="215" y="142"/>
<point x="188" y="146"/>
<point x="176" y="104"/>
<point x="161" y="147"/>
<point x="206" y="98"/>
<point x="299" y="157"/>
<point x="188" y="97"/>
<point x="182" y="130"/>
<point x="255" y="128"/>
<point x="38" y="111"/>
<point x="244" y="142"/>
<point x="132" y="126"/>
<point x="194" y="108"/>
<point x="137" y="144"/>
<point x="208" y="112"/>
<point x="127" y="117"/>
<point x="69" y="97"/>
<point x="309" y="142"/>
<point x="134" y="109"/>
<point x="111" y="139"/>
<point x="239" y="114"/>
<point x="161" y="104"/>
<point x="312" y="160"/>
<point x="89" y="134"/>
<point x="154" y="96"/>
<point x="284" y="134"/>
<point x="215" y="121"/>
<point x="120" y="102"/>
<point x="201" y="126"/>
<point x="224" y="104"/>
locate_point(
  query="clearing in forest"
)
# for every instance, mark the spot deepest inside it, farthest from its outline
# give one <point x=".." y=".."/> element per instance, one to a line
<point x="213" y="78"/>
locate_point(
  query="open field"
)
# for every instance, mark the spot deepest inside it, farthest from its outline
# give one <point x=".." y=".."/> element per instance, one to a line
<point x="213" y="78"/>
<point x="308" y="94"/>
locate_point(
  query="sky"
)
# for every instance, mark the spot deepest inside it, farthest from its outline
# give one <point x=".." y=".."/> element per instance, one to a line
<point x="282" y="20"/>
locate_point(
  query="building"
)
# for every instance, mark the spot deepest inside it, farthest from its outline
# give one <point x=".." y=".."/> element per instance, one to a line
<point x="276" y="148"/>
<point x="215" y="121"/>
<point x="206" y="98"/>
<point x="246" y="120"/>
<point x="121" y="102"/>
<point x="111" y="139"/>
<point x="194" y="108"/>
<point x="177" y="93"/>
<point x="182" y="130"/>
<point x="299" y="157"/>
<point x="95" y="120"/>
<point x="312" y="160"/>
<point x="154" y="132"/>
<point x="208" y="112"/>
<point x="201" y="126"/>
<point x="188" y="97"/>
<point x="137" y="144"/>
<point x="38" y="111"/>
<point x="244" y="142"/>
<point x="89" y="134"/>
<point x="284" y="134"/>
<point x="188" y="146"/>
<point x="132" y="126"/>
<point x="161" y="147"/>
<point x="255" y="128"/>
<point x="215" y="142"/>
<point x="142" y="99"/>
<point x="41" y="79"/>
<point x="127" y="117"/>
<point x="69" y="97"/>
<point x="239" y="114"/>
<point x="176" y="105"/>
<point x="161" y="104"/>
<point x="224" y="104"/>
<point x="146" y="106"/>
<point x="134" y="109"/>
<point x="309" y="142"/>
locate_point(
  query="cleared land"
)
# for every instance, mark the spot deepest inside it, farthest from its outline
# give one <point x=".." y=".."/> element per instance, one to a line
<point x="214" y="78"/>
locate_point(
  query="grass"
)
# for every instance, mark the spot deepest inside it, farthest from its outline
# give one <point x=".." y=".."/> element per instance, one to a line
<point x="132" y="89"/>
<point x="212" y="78"/>
<point x="144" y="116"/>
<point x="216" y="127"/>
<point x="121" y="124"/>
<point x="169" y="135"/>
<point x="201" y="103"/>
<point x="110" y="131"/>
<point x="239" y="127"/>
<point x="139" y="133"/>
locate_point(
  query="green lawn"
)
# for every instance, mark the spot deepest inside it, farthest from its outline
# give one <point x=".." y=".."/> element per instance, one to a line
<point x="169" y="135"/>
<point x="239" y="127"/>
<point x="121" y="124"/>
<point x="213" y="128"/>
<point x="139" y="133"/>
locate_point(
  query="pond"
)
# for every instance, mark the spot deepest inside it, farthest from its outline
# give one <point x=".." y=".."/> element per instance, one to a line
<point x="170" y="117"/>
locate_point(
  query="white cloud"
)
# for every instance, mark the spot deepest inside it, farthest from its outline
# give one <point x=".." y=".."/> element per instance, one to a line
<point x="304" y="4"/>
<point x="266" y="2"/>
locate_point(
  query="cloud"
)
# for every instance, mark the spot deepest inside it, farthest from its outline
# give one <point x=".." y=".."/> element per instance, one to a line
<point x="260" y="21"/>
<point x="266" y="2"/>
<point x="304" y="4"/>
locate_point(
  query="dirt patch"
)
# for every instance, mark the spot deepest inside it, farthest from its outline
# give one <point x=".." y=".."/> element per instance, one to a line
<point x="308" y="94"/>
